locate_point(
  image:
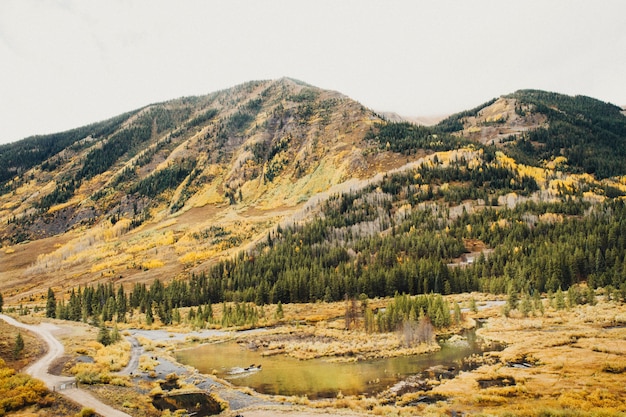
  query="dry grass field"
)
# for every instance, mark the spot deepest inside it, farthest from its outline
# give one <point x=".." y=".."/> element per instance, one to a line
<point x="564" y="363"/>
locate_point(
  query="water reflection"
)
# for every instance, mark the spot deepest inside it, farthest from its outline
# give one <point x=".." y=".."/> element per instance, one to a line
<point x="318" y="378"/>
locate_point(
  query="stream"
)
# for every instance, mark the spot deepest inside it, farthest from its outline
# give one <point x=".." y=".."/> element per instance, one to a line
<point x="319" y="378"/>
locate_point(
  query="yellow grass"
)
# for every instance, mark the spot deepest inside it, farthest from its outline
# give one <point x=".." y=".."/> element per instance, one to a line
<point x="577" y="365"/>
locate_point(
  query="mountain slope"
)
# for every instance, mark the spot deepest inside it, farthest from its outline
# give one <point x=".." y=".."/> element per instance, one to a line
<point x="579" y="133"/>
<point x="167" y="187"/>
<point x="170" y="190"/>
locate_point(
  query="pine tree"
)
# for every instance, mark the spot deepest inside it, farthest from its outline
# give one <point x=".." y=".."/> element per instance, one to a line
<point x="591" y="296"/>
<point x="51" y="304"/>
<point x="176" y="316"/>
<point x="527" y="306"/>
<point x="370" y="321"/>
<point x="149" y="315"/>
<point x="115" y="334"/>
<point x="279" y="315"/>
<point x="121" y="304"/>
<point x="104" y="336"/>
<point x="537" y="303"/>
<point x="473" y="306"/>
<point x="560" y="299"/>
<point x="74" y="308"/>
<point x="18" y="347"/>
<point x="513" y="298"/>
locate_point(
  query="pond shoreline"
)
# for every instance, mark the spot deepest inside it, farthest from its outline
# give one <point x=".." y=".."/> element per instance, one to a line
<point x="324" y="376"/>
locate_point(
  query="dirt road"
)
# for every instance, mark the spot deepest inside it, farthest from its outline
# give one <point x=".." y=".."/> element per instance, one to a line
<point x="135" y="353"/>
<point x="63" y="385"/>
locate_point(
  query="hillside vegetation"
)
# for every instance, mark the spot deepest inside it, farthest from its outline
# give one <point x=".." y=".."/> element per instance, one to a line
<point x="274" y="191"/>
<point x="579" y="134"/>
<point x="164" y="189"/>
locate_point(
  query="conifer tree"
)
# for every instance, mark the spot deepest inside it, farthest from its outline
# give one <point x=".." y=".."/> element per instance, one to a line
<point x="559" y="299"/>
<point x="527" y="306"/>
<point x="176" y="316"/>
<point x="51" y="304"/>
<point x="104" y="336"/>
<point x="115" y="334"/>
<point x="473" y="306"/>
<point x="18" y="346"/>
<point x="121" y="304"/>
<point x="279" y="311"/>
<point x="513" y="298"/>
<point x="149" y="315"/>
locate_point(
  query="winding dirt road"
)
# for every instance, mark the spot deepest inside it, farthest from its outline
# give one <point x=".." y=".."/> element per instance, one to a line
<point x="63" y="385"/>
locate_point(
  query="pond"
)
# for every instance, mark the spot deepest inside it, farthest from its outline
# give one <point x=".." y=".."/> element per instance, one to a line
<point x="318" y="378"/>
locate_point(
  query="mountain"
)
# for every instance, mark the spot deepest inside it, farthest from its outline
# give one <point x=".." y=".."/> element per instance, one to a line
<point x="165" y="188"/>
<point x="313" y="186"/>
<point x="580" y="133"/>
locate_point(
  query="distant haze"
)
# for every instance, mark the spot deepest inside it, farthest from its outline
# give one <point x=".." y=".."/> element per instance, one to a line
<point x="69" y="63"/>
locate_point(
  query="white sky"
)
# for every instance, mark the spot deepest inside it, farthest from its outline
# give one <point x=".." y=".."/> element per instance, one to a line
<point x="64" y="63"/>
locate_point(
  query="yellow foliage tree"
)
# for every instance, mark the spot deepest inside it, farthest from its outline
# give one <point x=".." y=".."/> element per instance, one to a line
<point x="18" y="390"/>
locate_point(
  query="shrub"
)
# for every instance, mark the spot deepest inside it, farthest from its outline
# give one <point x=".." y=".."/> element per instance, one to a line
<point x="18" y="390"/>
<point x="614" y="368"/>
<point x="86" y="412"/>
<point x="91" y="373"/>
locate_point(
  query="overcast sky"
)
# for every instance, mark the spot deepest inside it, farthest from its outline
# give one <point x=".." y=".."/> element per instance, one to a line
<point x="64" y="64"/>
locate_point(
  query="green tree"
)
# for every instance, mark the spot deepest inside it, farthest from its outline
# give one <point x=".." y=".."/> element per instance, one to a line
<point x="513" y="298"/>
<point x="18" y="346"/>
<point x="591" y="296"/>
<point x="121" y="305"/>
<point x="104" y="336"/>
<point x="149" y="315"/>
<point x="559" y="299"/>
<point x="457" y="313"/>
<point x="115" y="335"/>
<point x="527" y="306"/>
<point x="537" y="303"/>
<point x="473" y="306"/>
<point x="51" y="304"/>
<point x="279" y="311"/>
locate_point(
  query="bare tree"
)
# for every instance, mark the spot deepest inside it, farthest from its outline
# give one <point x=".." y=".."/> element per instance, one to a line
<point x="352" y="312"/>
<point x="414" y="332"/>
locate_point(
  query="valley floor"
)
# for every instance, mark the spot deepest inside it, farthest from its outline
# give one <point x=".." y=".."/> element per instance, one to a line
<point x="569" y="362"/>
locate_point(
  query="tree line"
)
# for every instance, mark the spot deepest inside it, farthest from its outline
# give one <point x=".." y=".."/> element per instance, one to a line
<point x="321" y="261"/>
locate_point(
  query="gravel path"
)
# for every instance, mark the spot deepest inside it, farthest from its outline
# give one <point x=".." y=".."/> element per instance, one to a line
<point x="40" y="368"/>
<point x="136" y="351"/>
